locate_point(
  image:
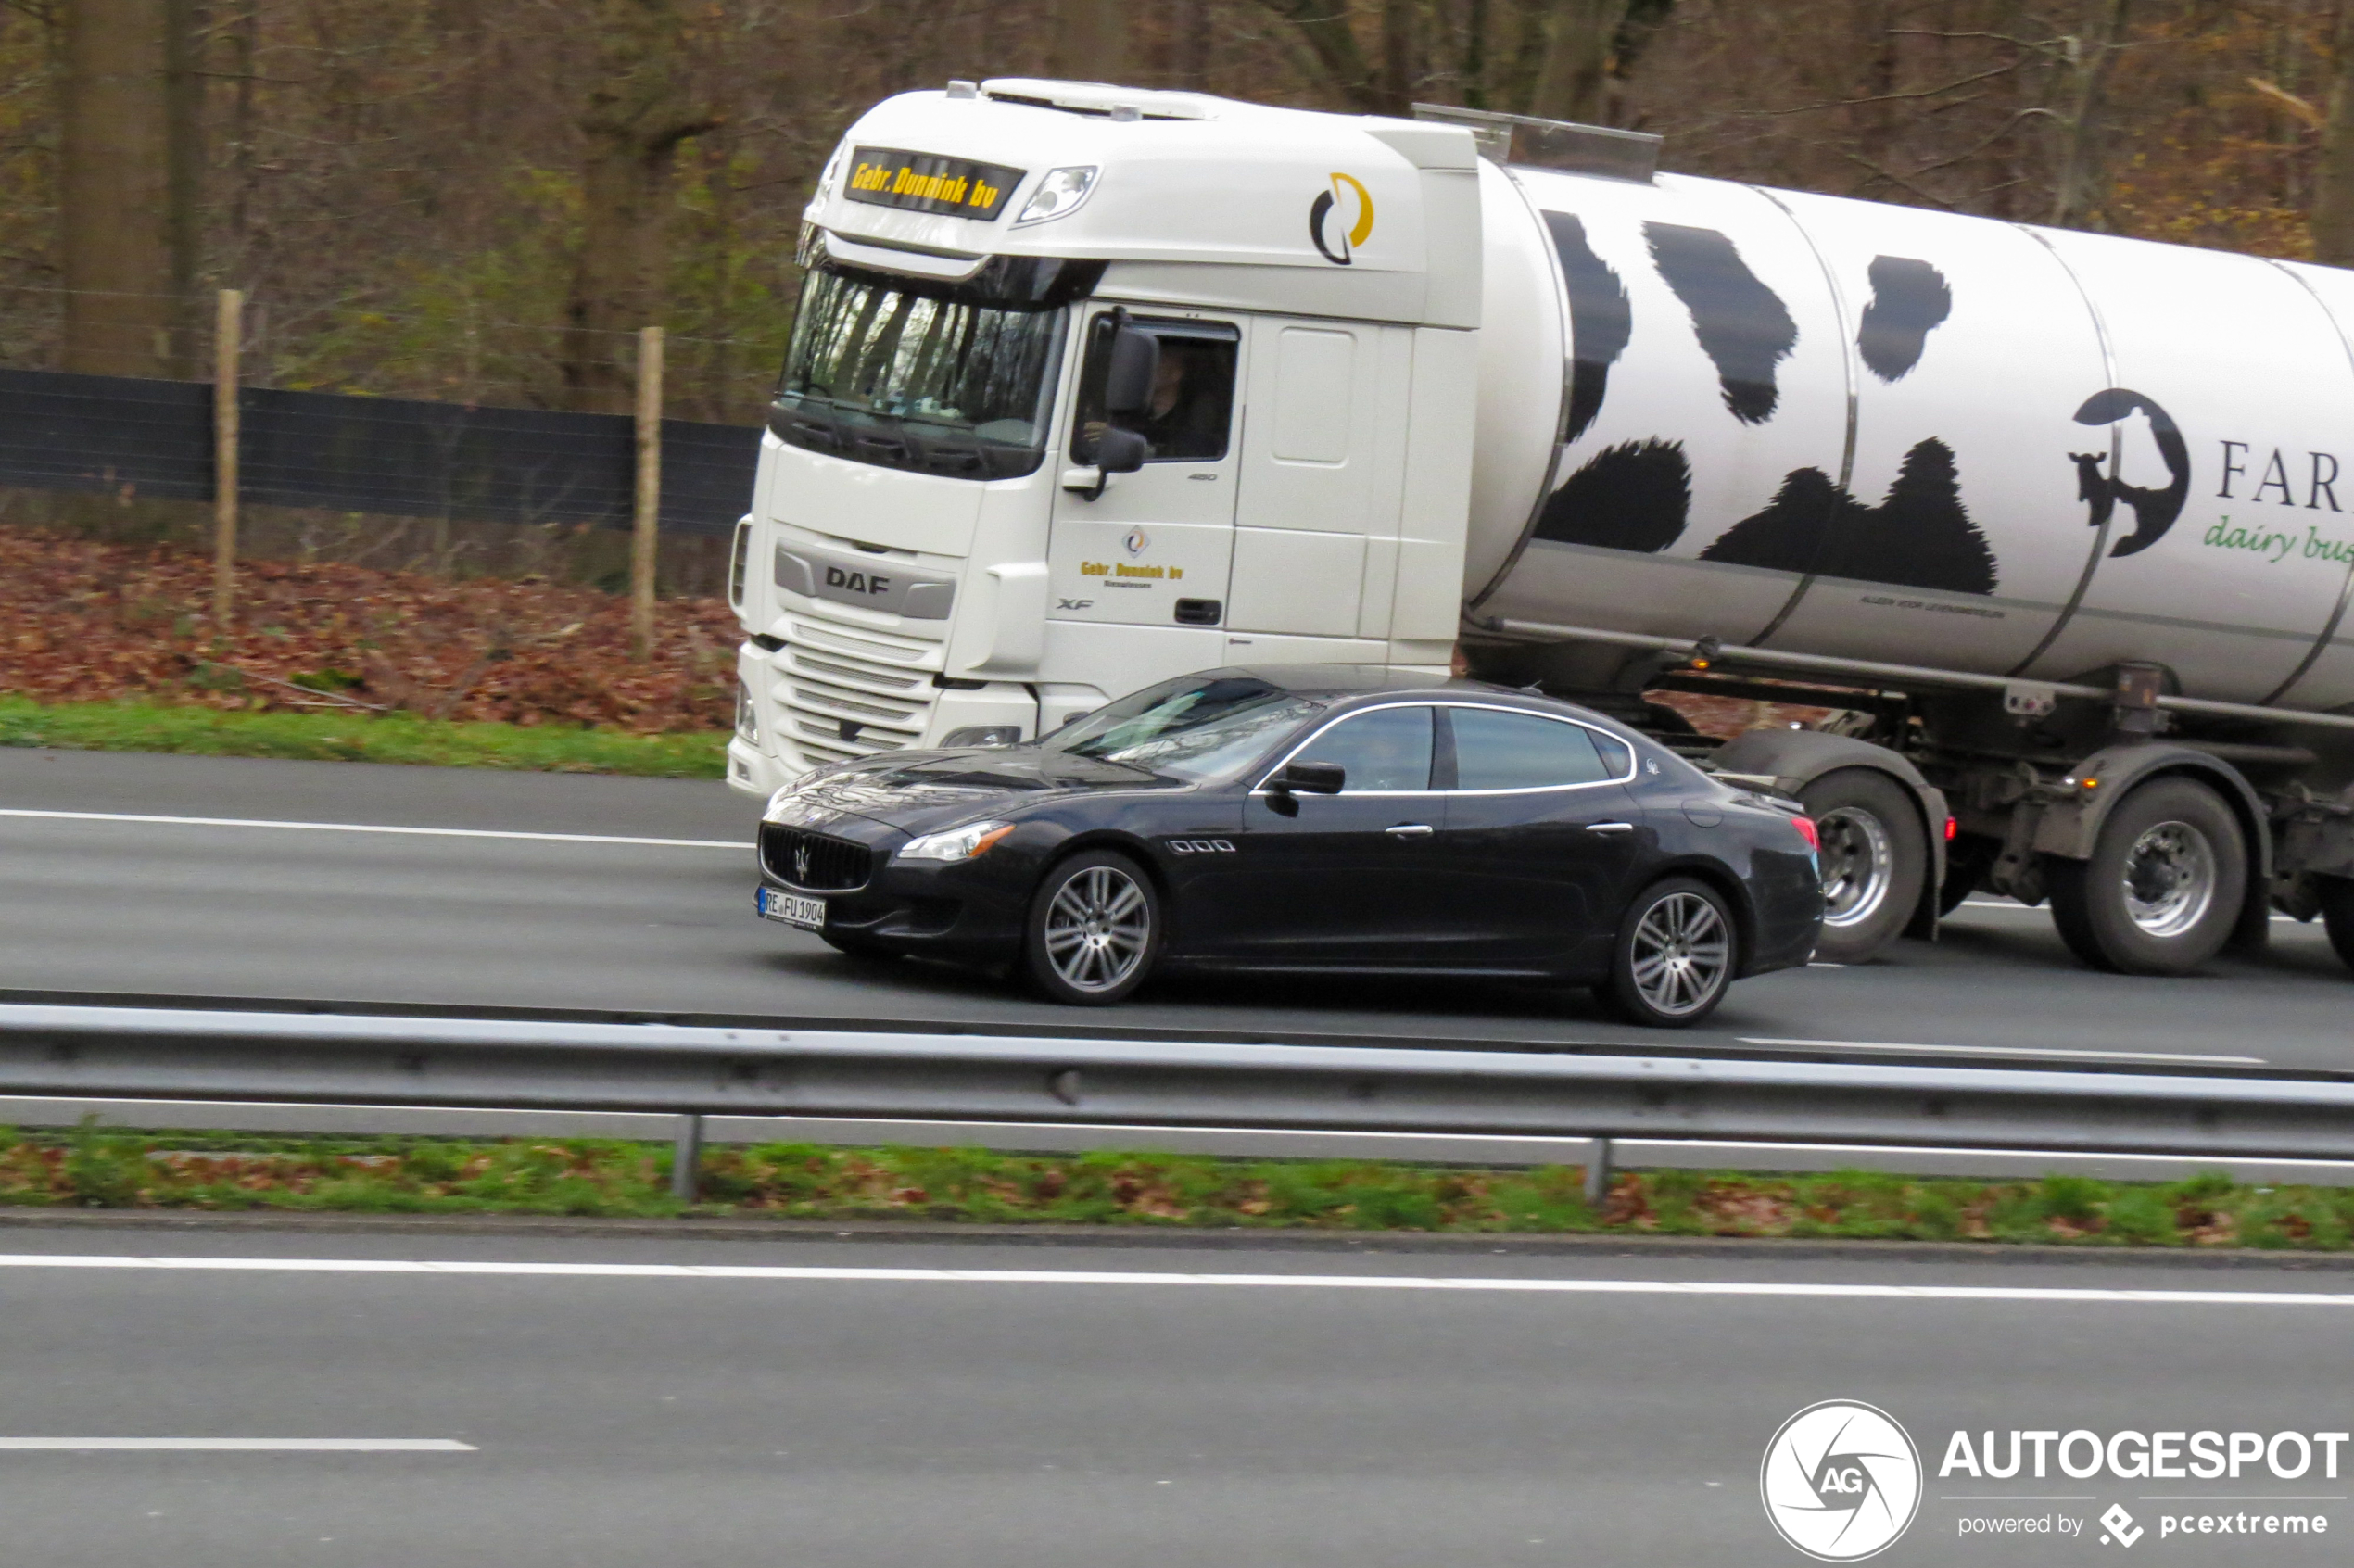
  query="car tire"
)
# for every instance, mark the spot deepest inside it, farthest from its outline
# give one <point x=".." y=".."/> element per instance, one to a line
<point x="1874" y="859"/>
<point x="2163" y="887"/>
<point x="1094" y="929"/>
<point x="1676" y="956"/>
<point x="2336" y="894"/>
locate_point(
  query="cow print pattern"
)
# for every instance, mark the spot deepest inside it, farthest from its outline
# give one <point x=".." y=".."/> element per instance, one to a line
<point x="1743" y="327"/>
<point x="1919" y="537"/>
<point x="1909" y="301"/>
<point x="1598" y="317"/>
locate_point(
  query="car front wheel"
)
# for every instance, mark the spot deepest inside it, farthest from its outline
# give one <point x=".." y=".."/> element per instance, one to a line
<point x="1676" y="956"/>
<point x="1094" y="929"/>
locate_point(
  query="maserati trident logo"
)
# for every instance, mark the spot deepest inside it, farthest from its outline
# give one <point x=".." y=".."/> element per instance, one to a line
<point x="1841" y="1481"/>
<point x="800" y="864"/>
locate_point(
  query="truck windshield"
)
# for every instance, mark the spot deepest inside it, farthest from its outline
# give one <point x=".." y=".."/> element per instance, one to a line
<point x="882" y="371"/>
<point x="1192" y="727"/>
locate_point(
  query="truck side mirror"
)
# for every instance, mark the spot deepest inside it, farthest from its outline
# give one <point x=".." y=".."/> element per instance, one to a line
<point x="1117" y="451"/>
<point x="1128" y="375"/>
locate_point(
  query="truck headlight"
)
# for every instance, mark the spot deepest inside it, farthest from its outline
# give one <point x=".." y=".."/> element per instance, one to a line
<point x="747" y="715"/>
<point x="972" y="839"/>
<point x="983" y="735"/>
<point x="1059" y="194"/>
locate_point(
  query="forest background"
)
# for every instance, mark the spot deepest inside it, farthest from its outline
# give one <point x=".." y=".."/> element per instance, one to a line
<point x="482" y="200"/>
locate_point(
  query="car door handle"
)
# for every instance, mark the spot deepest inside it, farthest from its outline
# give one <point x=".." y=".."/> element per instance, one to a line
<point x="1610" y="827"/>
<point x="1409" y="830"/>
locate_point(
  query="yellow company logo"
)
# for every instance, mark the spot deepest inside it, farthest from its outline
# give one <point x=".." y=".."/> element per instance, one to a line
<point x="1341" y="219"/>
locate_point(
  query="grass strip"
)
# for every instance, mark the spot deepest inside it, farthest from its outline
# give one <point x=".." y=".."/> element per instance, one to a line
<point x="92" y="1167"/>
<point x="357" y="737"/>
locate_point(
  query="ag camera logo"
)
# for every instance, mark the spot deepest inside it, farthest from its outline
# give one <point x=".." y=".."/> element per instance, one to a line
<point x="1841" y="1481"/>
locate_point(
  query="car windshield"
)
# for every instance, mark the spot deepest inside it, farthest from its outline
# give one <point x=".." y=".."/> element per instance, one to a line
<point x="1190" y="729"/>
<point x="882" y="372"/>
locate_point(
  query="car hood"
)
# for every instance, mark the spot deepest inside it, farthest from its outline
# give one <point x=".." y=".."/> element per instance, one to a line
<point x="920" y="790"/>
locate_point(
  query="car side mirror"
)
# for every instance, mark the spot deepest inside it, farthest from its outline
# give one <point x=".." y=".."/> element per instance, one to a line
<point x="1128" y="374"/>
<point x="1311" y="779"/>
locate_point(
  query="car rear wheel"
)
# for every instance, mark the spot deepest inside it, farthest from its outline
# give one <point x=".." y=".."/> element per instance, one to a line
<point x="2163" y="887"/>
<point x="1874" y="859"/>
<point x="1094" y="929"/>
<point x="1676" y="956"/>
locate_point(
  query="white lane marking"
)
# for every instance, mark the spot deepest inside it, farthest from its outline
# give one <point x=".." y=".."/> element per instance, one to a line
<point x="1107" y="1277"/>
<point x="368" y="828"/>
<point x="2053" y="1052"/>
<point x="2008" y="907"/>
<point x="253" y="1445"/>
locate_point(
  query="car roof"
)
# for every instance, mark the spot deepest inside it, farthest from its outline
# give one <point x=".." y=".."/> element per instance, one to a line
<point x="1360" y="680"/>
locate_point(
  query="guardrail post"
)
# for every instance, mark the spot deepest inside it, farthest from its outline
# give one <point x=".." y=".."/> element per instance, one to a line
<point x="685" y="1159"/>
<point x="1598" y="1174"/>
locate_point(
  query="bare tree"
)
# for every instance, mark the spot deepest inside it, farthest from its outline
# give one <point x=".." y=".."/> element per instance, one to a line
<point x="1572" y="78"/>
<point x="2333" y="176"/>
<point x="1090" y="40"/>
<point x="638" y="112"/>
<point x="113" y="186"/>
<point x="2080" y="191"/>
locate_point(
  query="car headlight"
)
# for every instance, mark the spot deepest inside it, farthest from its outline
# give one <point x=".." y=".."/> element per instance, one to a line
<point x="1060" y="193"/>
<point x="957" y="843"/>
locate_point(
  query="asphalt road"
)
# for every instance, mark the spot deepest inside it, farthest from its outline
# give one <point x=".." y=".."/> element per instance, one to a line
<point x="101" y="904"/>
<point x="1050" y="1420"/>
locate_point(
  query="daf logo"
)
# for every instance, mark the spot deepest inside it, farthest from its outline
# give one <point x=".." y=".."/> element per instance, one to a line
<point x="855" y="581"/>
<point x="800" y="864"/>
<point x="1200" y="846"/>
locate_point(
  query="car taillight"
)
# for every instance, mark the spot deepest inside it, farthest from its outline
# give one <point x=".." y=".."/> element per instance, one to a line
<point x="1806" y="826"/>
<point x="1952" y="827"/>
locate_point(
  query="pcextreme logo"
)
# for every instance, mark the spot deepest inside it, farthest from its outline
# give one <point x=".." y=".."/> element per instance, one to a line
<point x="1341" y="219"/>
<point x="1841" y="1481"/>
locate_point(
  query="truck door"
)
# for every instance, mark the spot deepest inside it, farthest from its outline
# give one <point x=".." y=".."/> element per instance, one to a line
<point x="1154" y="547"/>
<point x="1316" y="533"/>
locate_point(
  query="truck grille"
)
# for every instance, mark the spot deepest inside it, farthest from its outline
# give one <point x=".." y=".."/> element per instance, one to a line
<point x="849" y="694"/>
<point x="813" y="860"/>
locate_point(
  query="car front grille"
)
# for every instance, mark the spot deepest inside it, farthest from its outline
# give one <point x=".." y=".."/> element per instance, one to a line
<point x="813" y="860"/>
<point x="851" y="694"/>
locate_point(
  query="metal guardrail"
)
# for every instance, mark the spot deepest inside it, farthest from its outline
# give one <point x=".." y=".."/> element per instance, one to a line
<point x="188" y="1054"/>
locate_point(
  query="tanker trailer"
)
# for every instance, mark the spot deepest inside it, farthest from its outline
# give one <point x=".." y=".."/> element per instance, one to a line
<point x="2054" y="521"/>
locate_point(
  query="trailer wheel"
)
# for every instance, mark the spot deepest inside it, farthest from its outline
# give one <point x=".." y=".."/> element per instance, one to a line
<point x="2163" y="887"/>
<point x="2336" y="894"/>
<point x="1874" y="859"/>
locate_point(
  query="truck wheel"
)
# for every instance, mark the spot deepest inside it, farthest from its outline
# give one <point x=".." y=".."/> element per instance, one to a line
<point x="2337" y="914"/>
<point x="1094" y="929"/>
<point x="2162" y="889"/>
<point x="1874" y="859"/>
<point x="1676" y="956"/>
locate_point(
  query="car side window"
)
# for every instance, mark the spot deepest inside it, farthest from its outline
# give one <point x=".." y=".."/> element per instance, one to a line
<point x="1503" y="751"/>
<point x="1386" y="750"/>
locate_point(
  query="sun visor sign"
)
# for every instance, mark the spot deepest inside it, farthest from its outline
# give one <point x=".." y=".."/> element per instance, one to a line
<point x="954" y="188"/>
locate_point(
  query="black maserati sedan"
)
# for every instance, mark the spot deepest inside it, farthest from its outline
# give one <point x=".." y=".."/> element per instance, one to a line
<point x="1310" y="818"/>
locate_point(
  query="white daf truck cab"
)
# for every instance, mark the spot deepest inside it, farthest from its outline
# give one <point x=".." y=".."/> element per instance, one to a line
<point x="954" y="541"/>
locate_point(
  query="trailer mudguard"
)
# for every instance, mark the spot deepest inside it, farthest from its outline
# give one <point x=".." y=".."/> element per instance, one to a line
<point x="2068" y="828"/>
<point x="1795" y="758"/>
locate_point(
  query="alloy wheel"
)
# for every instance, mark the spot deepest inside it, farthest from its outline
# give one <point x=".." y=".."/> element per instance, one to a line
<point x="1098" y="928"/>
<point x="2170" y="878"/>
<point x="1857" y="865"/>
<point x="1681" y="953"/>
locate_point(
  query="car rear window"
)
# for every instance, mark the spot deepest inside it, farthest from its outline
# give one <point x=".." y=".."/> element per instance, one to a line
<point x="1501" y="751"/>
<point x="1388" y="749"/>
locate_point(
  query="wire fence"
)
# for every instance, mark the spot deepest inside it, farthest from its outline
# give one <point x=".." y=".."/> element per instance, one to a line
<point x="378" y="456"/>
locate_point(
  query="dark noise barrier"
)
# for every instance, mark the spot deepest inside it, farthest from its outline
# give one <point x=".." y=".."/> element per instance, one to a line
<point x="383" y="455"/>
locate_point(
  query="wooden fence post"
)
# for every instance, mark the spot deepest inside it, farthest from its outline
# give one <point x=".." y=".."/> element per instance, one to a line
<point x="648" y="523"/>
<point x="226" y="346"/>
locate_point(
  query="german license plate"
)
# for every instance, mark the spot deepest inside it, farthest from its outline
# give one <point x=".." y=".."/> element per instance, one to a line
<point x="794" y="909"/>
